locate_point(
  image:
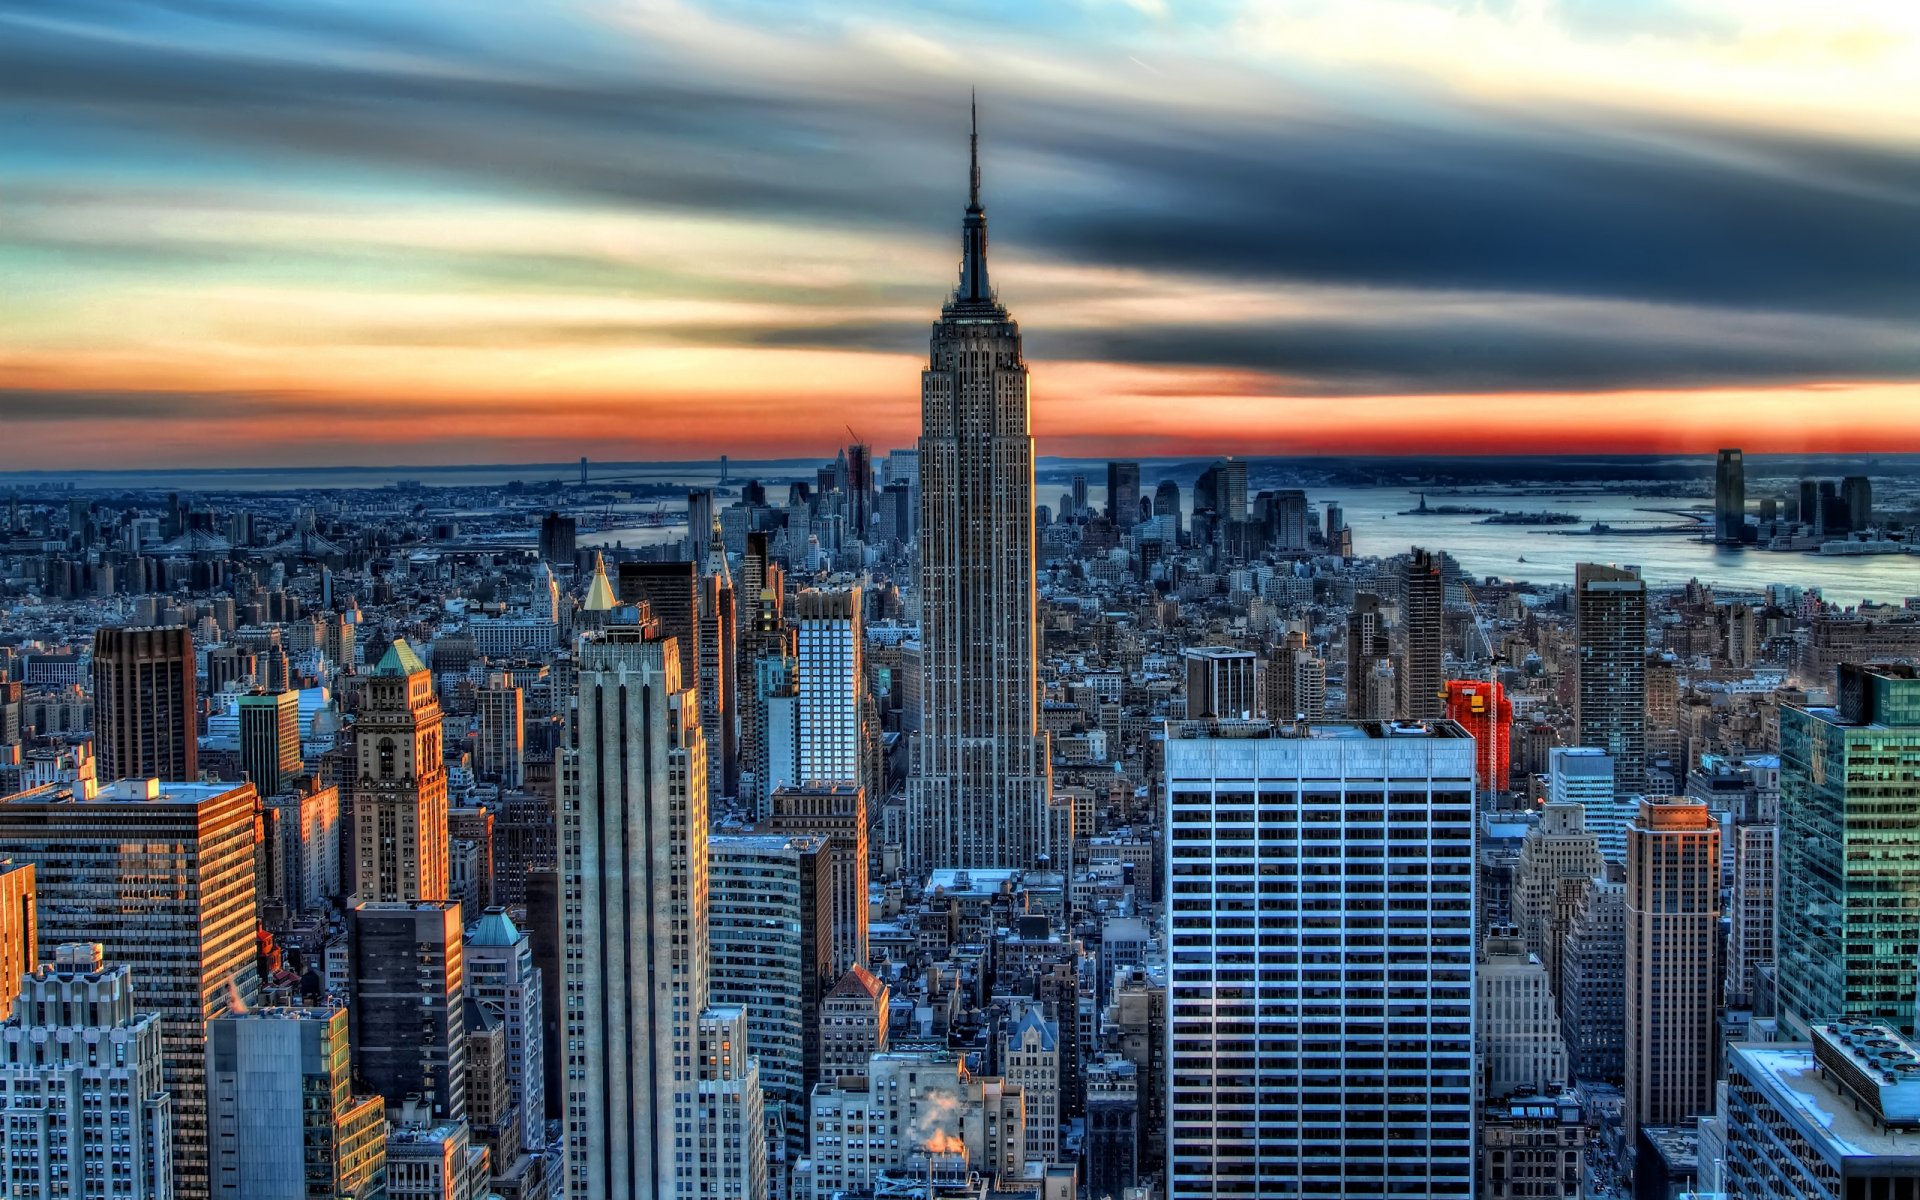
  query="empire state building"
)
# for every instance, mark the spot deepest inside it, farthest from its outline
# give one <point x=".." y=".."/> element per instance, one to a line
<point x="979" y="796"/>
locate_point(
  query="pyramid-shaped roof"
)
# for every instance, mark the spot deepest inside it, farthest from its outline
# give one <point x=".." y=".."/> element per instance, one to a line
<point x="399" y="660"/>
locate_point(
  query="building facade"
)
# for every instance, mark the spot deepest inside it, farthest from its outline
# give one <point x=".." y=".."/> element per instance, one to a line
<point x="145" y="703"/>
<point x="1610" y="691"/>
<point x="400" y="786"/>
<point x="1300" y="1062"/>
<point x="1672" y="966"/>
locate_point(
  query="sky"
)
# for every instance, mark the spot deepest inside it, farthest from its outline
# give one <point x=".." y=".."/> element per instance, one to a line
<point x="278" y="233"/>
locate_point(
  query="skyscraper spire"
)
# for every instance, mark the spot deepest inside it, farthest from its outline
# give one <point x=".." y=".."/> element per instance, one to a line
<point x="973" y="150"/>
<point x="974" y="291"/>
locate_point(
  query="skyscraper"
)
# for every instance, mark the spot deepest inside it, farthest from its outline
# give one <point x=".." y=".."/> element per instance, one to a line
<point x="1123" y="494"/>
<point x="648" y="1084"/>
<point x="860" y="491"/>
<point x="1220" y="682"/>
<point x="1483" y="710"/>
<point x="178" y="908"/>
<point x="19" y="929"/>
<point x="284" y="1122"/>
<point x="1308" y="1058"/>
<point x="1166" y="503"/>
<point x="719" y="670"/>
<point x="408" y="976"/>
<point x="1849" y="851"/>
<point x="400" y="794"/>
<point x="1583" y="775"/>
<point x="1729" y="498"/>
<point x="1856" y="492"/>
<point x="144" y="702"/>
<point x="1610" y="697"/>
<point x="500" y="744"/>
<point x="270" y="740"/>
<point x="1673" y="980"/>
<point x="82" y="1086"/>
<point x="1366" y="645"/>
<point x="1423" y="674"/>
<point x="829" y="650"/>
<point x="837" y="812"/>
<point x="979" y="798"/>
<point x="504" y="983"/>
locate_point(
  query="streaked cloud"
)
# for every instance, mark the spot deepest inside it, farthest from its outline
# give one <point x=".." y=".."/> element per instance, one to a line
<point x="569" y="218"/>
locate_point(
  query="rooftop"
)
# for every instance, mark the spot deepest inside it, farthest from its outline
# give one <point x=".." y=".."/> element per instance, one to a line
<point x="1824" y="1114"/>
<point x="128" y="791"/>
<point x="1259" y="730"/>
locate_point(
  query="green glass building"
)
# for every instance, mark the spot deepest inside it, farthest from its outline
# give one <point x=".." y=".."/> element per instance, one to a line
<point x="1849" y="887"/>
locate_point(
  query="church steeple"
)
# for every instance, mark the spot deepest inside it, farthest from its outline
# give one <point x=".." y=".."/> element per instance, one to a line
<point x="974" y="289"/>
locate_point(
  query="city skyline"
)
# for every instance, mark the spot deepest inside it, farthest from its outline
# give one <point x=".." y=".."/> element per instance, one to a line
<point x="1229" y="226"/>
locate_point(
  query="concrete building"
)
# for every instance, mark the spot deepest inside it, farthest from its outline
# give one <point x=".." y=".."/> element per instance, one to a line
<point x="837" y="812"/>
<point x="181" y="915"/>
<point x="1220" y="682"/>
<point x="907" y="1105"/>
<point x="145" y="703"/>
<point x="1849" y="846"/>
<point x="769" y="929"/>
<point x="1277" y="853"/>
<point x="283" y="1120"/>
<point x="1610" y="692"/>
<point x="979" y="795"/>
<point x="635" y="886"/>
<point x="1521" y="1049"/>
<point x="1423" y="672"/>
<point x="500" y="735"/>
<point x="1558" y="857"/>
<point x="853" y="1024"/>
<point x="1833" y="1119"/>
<point x="1673" y="978"/>
<point x="434" y="1159"/>
<point x="502" y="981"/>
<point x="84" y="1108"/>
<point x="1367" y="646"/>
<point x="400" y="785"/>
<point x="19" y="929"/>
<point x="1593" y="969"/>
<point x="1031" y="1059"/>
<point x="1114" y="1125"/>
<point x="303" y="845"/>
<point x="1751" y="915"/>
<point x="407" y="975"/>
<point x="1533" y="1147"/>
<point x="829" y="656"/>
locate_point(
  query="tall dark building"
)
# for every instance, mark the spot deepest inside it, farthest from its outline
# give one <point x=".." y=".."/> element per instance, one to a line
<point x="270" y="740"/>
<point x="1366" y="645"/>
<point x="1423" y="676"/>
<point x="144" y="699"/>
<point x="409" y="999"/>
<point x="860" y="491"/>
<point x="1729" y="498"/>
<point x="1856" y="492"/>
<point x="1610" y="699"/>
<point x="1123" y="494"/>
<point x="1166" y="503"/>
<point x="1809" y="504"/>
<point x="979" y="798"/>
<point x="557" y="534"/>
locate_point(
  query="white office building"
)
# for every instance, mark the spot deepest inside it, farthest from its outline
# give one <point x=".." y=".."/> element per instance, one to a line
<point x="1583" y="775"/>
<point x="1321" y="919"/>
<point x="832" y="686"/>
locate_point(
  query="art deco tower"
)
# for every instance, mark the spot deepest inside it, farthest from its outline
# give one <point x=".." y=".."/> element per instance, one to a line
<point x="979" y="797"/>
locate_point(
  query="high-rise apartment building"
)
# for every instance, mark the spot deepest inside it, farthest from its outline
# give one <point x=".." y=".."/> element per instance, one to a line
<point x="302" y="830"/>
<point x="1750" y="932"/>
<point x="144" y="704"/>
<point x="1673" y="978"/>
<point x="1321" y="930"/>
<point x="283" y="1120"/>
<point x="83" y="1096"/>
<point x="655" y="1105"/>
<point x="837" y="812"/>
<point x="1584" y="775"/>
<point x="763" y="635"/>
<point x="1849" y="847"/>
<point x="500" y="742"/>
<point x="1220" y="682"/>
<point x="1729" y="498"/>
<point x="1123" y="494"/>
<point x="1423" y="674"/>
<point x="829" y="656"/>
<point x="979" y="796"/>
<point x="769" y="923"/>
<point x="1610" y="696"/>
<point x="400" y="786"/>
<point x="178" y="909"/>
<point x="558" y="535"/>
<point x="407" y="972"/>
<point x="270" y="740"/>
